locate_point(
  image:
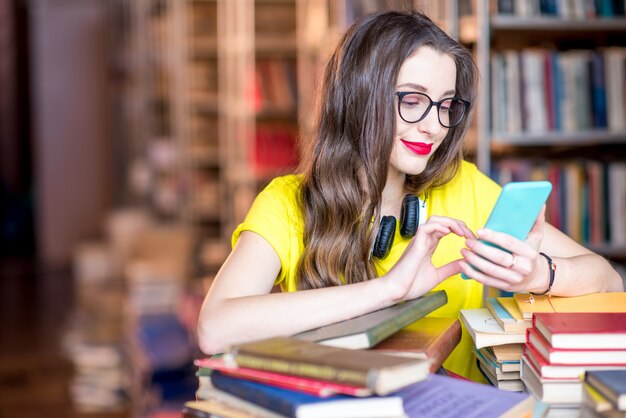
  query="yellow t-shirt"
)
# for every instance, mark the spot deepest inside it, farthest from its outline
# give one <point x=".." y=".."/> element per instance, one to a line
<point x="469" y="196"/>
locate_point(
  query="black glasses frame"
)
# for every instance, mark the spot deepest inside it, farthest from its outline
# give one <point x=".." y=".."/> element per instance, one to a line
<point x="402" y="94"/>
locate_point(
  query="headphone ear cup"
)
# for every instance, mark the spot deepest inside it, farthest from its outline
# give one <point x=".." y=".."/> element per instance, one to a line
<point x="384" y="238"/>
<point x="409" y="215"/>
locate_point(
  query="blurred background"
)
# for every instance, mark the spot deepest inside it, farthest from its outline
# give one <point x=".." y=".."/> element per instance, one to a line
<point x="134" y="135"/>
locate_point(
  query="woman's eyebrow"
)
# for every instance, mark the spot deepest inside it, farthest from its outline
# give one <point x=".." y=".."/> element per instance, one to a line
<point x="423" y="89"/>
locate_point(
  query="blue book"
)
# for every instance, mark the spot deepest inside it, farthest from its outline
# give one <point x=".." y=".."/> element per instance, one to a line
<point x="301" y="405"/>
<point x="548" y="7"/>
<point x="445" y="397"/>
<point x="611" y="384"/>
<point x="598" y="90"/>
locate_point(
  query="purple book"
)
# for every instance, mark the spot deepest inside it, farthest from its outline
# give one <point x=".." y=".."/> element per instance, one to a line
<point x="443" y="396"/>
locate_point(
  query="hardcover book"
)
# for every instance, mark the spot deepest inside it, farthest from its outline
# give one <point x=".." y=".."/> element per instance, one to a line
<point x="552" y="391"/>
<point x="429" y="338"/>
<point x="315" y="387"/>
<point x="486" y="331"/>
<point x="301" y="405"/>
<point x="595" y="302"/>
<point x="569" y="356"/>
<point x="380" y="372"/>
<point x="367" y="330"/>
<point x="505" y="312"/>
<point x="611" y="384"/>
<point x="509" y="383"/>
<point x="233" y="408"/>
<point x="593" y="330"/>
<point x="560" y="371"/>
<point x="503" y="365"/>
<point x="508" y="352"/>
<point x="594" y="399"/>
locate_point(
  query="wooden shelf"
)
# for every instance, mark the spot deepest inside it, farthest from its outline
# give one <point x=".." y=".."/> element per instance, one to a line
<point x="592" y="137"/>
<point x="506" y="22"/>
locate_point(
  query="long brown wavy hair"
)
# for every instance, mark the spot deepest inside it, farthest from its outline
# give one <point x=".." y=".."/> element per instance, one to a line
<point x="354" y="136"/>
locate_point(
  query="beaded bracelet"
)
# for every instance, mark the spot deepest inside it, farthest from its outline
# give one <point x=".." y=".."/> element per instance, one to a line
<point x="551" y="271"/>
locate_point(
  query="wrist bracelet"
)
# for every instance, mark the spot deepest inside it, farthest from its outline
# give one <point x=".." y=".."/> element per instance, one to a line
<point x="551" y="272"/>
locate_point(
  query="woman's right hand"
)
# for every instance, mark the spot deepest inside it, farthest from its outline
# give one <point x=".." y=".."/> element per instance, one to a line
<point x="414" y="274"/>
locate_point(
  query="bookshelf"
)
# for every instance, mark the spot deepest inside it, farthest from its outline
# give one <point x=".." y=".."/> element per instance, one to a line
<point x="258" y="98"/>
<point x="321" y="23"/>
<point x="213" y="99"/>
<point x="552" y="106"/>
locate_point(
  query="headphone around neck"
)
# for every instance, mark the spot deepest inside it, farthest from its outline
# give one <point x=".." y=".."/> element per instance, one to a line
<point x="409" y="221"/>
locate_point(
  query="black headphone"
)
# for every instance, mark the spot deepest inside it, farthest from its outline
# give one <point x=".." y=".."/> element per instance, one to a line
<point x="409" y="220"/>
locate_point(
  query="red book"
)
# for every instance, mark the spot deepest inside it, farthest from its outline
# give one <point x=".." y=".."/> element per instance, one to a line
<point x="560" y="371"/>
<point x="568" y="356"/>
<point x="315" y="387"/>
<point x="591" y="330"/>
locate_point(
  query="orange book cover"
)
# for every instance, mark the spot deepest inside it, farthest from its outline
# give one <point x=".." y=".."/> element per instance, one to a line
<point x="594" y="302"/>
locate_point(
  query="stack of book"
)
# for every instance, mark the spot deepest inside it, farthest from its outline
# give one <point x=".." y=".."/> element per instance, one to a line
<point x="563" y="346"/>
<point x="402" y="329"/>
<point x="93" y="336"/>
<point x="509" y="320"/>
<point x="604" y="394"/>
<point x="295" y="378"/>
<point x="499" y="333"/>
<point x="292" y="377"/>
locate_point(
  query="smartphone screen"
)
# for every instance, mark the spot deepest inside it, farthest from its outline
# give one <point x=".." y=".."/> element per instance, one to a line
<point x="517" y="208"/>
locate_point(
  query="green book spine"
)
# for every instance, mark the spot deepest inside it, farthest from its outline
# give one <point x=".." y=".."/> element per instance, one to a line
<point x="419" y="309"/>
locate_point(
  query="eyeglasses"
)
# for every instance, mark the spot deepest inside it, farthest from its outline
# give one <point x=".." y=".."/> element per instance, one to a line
<point x="414" y="106"/>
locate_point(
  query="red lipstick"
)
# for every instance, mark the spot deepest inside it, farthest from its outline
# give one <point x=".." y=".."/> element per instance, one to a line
<point x="419" y="148"/>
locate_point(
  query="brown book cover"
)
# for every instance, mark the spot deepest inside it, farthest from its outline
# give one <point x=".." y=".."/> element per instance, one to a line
<point x="380" y="372"/>
<point x="428" y="338"/>
<point x="508" y="352"/>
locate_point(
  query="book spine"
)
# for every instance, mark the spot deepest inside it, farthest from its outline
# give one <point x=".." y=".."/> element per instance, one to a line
<point x="305" y="369"/>
<point x="312" y="386"/>
<point x="266" y="399"/>
<point x="428" y="303"/>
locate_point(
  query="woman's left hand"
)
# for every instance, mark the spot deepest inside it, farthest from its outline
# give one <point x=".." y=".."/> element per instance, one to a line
<point x="515" y="266"/>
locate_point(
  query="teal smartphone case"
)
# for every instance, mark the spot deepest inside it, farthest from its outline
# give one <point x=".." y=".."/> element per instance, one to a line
<point x="517" y="208"/>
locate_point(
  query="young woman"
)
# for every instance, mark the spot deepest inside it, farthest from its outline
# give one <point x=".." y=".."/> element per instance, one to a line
<point x="395" y="105"/>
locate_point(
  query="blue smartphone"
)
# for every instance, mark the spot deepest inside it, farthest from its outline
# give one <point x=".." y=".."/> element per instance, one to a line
<point x="517" y="208"/>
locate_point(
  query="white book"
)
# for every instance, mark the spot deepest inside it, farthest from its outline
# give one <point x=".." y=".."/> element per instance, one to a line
<point x="498" y="94"/>
<point x="513" y="105"/>
<point x="485" y="330"/>
<point x="534" y="89"/>
<point x="614" y="75"/>
<point x="552" y="391"/>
